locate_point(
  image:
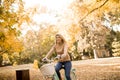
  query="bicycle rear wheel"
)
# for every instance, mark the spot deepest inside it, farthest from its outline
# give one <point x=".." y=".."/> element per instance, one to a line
<point x="73" y="75"/>
<point x="55" y="77"/>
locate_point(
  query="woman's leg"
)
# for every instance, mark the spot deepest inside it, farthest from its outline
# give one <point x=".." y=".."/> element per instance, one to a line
<point x="57" y="69"/>
<point x="67" y="67"/>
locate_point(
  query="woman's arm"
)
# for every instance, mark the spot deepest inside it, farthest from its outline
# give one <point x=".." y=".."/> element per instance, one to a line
<point x="50" y="52"/>
<point x="65" y="51"/>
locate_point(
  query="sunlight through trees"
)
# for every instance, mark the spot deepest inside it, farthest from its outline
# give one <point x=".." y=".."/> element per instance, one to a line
<point x="28" y="27"/>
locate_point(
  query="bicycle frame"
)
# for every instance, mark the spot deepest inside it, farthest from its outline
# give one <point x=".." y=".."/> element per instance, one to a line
<point x="72" y="73"/>
<point x="55" y="76"/>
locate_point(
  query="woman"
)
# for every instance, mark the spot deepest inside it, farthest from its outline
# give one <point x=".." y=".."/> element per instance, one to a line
<point x="60" y="47"/>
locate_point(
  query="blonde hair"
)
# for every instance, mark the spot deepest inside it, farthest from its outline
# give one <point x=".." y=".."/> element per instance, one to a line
<point x="63" y="39"/>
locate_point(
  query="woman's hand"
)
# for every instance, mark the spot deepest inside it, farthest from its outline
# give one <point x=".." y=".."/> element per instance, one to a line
<point x="45" y="59"/>
<point x="58" y="58"/>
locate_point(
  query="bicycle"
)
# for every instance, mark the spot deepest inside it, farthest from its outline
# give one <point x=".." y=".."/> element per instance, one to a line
<point x="48" y="71"/>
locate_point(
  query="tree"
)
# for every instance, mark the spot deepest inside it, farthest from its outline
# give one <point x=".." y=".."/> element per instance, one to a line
<point x="37" y="44"/>
<point x="89" y="16"/>
<point x="9" y="22"/>
<point x="116" y="47"/>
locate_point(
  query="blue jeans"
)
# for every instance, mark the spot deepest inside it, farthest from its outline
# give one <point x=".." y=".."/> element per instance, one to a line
<point x="66" y="66"/>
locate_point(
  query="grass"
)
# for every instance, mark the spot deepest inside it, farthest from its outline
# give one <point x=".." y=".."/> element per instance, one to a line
<point x="93" y="69"/>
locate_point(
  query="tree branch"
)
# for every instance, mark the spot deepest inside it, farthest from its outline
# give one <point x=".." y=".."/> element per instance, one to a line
<point x="93" y="10"/>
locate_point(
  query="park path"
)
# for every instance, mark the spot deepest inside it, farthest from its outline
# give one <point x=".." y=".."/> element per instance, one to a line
<point x="92" y="69"/>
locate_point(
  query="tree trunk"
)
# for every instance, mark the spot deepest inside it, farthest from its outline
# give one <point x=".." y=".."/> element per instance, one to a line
<point x="95" y="54"/>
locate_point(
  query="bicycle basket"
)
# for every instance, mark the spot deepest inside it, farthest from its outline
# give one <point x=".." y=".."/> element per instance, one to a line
<point x="47" y="69"/>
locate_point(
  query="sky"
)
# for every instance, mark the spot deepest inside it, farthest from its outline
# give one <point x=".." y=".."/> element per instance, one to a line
<point x="48" y="11"/>
<point x="55" y="6"/>
<point x="56" y="11"/>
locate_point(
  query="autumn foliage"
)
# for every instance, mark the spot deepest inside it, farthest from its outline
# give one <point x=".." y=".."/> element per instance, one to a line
<point x="87" y="22"/>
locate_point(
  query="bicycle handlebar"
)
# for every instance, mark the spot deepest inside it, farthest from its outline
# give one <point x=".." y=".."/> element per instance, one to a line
<point x="46" y="60"/>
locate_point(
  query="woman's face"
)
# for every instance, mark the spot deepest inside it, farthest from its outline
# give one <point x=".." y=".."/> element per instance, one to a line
<point x="58" y="39"/>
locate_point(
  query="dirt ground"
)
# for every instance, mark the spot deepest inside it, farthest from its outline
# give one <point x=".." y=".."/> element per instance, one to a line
<point x="92" y="69"/>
